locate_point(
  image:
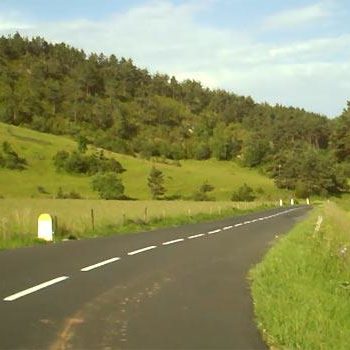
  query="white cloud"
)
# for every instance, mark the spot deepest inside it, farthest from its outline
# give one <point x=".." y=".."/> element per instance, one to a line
<point x="163" y="37"/>
<point x="297" y="16"/>
<point x="318" y="87"/>
<point x="12" y="22"/>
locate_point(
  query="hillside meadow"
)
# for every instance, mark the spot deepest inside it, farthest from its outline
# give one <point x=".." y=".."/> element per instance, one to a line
<point x="40" y="179"/>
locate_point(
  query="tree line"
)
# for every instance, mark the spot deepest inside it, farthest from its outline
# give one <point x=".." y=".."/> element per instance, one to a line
<point x="111" y="103"/>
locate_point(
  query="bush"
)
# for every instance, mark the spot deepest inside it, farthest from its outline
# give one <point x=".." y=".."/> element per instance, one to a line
<point x="73" y="195"/>
<point x="68" y="195"/>
<point x="243" y="194"/>
<point x="202" y="193"/>
<point x="9" y="158"/>
<point x="60" y="159"/>
<point x="259" y="190"/>
<point x="174" y="197"/>
<point x="202" y="151"/>
<point x="109" y="186"/>
<point x="42" y="190"/>
<point x="301" y="190"/>
<point x="78" y="163"/>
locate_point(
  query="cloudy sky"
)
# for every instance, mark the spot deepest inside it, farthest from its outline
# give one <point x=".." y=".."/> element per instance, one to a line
<point x="291" y="52"/>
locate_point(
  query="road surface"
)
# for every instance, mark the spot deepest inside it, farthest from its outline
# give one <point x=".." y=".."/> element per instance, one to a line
<point x="178" y="288"/>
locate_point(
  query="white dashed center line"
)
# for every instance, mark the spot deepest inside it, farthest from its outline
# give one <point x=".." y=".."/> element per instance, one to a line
<point x="35" y="288"/>
<point x="95" y="266"/>
<point x="196" y="236"/>
<point x="142" y="250"/>
<point x="215" y="231"/>
<point x="227" y="228"/>
<point x="172" y="242"/>
<point x="237" y="225"/>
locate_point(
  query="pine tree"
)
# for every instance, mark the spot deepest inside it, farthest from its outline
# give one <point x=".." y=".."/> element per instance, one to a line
<point x="156" y="183"/>
<point x="82" y="144"/>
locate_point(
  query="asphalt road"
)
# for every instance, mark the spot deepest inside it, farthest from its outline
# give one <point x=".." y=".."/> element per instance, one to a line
<point x="179" y="288"/>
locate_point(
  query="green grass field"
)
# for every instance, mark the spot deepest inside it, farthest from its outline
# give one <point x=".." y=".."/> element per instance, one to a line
<point x="301" y="289"/>
<point x="39" y="148"/>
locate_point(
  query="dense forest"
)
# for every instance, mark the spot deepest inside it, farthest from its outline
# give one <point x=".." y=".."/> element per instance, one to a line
<point x="115" y="105"/>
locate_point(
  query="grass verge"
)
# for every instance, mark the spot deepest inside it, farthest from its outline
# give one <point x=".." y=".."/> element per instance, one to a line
<point x="301" y="289"/>
<point x="18" y="217"/>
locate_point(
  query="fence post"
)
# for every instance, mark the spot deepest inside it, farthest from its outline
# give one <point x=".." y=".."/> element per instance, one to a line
<point x="55" y="225"/>
<point x="92" y="219"/>
<point x="145" y="216"/>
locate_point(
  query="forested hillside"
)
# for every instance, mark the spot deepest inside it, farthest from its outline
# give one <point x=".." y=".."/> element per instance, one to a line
<point x="57" y="89"/>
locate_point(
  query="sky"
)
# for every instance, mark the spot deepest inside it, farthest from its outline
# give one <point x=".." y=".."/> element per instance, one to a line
<point x="294" y="53"/>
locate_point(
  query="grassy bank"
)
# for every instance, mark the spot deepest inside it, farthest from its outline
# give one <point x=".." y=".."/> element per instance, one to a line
<point x="18" y="217"/>
<point x="301" y="290"/>
<point x="40" y="179"/>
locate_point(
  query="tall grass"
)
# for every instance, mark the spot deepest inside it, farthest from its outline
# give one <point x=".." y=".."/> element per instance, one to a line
<point x="301" y="290"/>
<point x="18" y="217"/>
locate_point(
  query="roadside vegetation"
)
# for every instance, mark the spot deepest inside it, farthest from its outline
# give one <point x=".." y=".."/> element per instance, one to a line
<point x="92" y="218"/>
<point x="301" y="289"/>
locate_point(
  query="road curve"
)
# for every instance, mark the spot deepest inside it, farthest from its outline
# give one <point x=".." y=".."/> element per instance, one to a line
<point x="178" y="288"/>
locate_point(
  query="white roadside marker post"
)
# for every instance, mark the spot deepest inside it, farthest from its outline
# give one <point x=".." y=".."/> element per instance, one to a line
<point x="307" y="201"/>
<point x="292" y="201"/>
<point x="281" y="202"/>
<point x="45" y="230"/>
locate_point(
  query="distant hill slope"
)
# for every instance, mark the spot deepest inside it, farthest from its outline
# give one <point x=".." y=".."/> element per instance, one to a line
<point x="115" y="105"/>
<point x="61" y="90"/>
<point x="40" y="176"/>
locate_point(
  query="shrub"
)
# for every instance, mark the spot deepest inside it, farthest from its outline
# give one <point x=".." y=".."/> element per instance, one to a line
<point x="202" y="151"/>
<point x="42" y="190"/>
<point x="243" y="194"/>
<point x="109" y="186"/>
<point x="60" y="159"/>
<point x="67" y="195"/>
<point x="79" y="163"/>
<point x="9" y="158"/>
<point x="301" y="190"/>
<point x="202" y="193"/>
